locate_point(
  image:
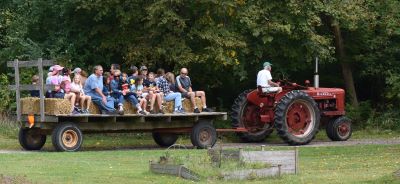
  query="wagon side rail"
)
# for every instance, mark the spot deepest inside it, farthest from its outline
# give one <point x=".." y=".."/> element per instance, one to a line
<point x="18" y="87"/>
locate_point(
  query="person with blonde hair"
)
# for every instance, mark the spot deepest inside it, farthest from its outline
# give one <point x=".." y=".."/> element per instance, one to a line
<point x="169" y="95"/>
<point x="82" y="99"/>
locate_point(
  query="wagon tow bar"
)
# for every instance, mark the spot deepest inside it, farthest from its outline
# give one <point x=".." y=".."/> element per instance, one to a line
<point x="232" y="130"/>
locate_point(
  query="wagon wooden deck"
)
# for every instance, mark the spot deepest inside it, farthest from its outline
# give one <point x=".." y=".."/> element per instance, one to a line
<point x="89" y="123"/>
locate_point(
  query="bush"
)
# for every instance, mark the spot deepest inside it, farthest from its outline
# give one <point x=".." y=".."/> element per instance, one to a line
<point x="5" y="95"/>
<point x="359" y="115"/>
<point x="367" y="117"/>
<point x="8" y="128"/>
<point x="389" y="119"/>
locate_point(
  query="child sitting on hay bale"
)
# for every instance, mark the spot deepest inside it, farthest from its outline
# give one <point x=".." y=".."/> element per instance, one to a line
<point x="137" y="88"/>
<point x="82" y="99"/>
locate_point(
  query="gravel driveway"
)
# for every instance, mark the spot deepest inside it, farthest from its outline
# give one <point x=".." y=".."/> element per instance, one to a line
<point x="353" y="142"/>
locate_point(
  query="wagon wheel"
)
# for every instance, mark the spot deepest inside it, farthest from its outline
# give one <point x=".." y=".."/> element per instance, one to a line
<point x="203" y="135"/>
<point x="67" y="137"/>
<point x="297" y="118"/>
<point x="247" y="115"/>
<point x="164" y="139"/>
<point x="31" y="139"/>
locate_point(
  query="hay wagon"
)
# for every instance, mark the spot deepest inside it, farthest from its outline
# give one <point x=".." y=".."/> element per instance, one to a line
<point x="67" y="130"/>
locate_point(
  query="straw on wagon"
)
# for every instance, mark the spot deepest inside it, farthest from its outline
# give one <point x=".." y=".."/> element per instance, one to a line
<point x="187" y="106"/>
<point x="55" y="106"/>
<point x="52" y="106"/>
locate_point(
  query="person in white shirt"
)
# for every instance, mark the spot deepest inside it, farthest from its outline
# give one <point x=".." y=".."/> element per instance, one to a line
<point x="77" y="88"/>
<point x="264" y="79"/>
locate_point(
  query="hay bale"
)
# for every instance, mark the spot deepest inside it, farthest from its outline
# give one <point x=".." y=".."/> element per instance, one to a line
<point x="187" y="106"/>
<point x="129" y="108"/>
<point x="94" y="109"/>
<point x="57" y="106"/>
<point x="30" y="105"/>
<point x="52" y="106"/>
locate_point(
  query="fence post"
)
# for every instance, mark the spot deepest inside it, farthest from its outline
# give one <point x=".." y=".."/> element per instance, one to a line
<point x="296" y="160"/>
<point x="41" y="90"/>
<point x="17" y="91"/>
<point x="241" y="156"/>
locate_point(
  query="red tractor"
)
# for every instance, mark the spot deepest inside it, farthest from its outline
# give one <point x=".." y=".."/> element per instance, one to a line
<point x="295" y="113"/>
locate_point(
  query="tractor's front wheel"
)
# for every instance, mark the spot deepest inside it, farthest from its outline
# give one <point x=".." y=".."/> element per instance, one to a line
<point x="246" y="115"/>
<point x="297" y="118"/>
<point x="339" y="129"/>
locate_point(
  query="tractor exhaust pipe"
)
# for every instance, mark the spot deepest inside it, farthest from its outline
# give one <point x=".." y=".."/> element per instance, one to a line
<point x="316" y="76"/>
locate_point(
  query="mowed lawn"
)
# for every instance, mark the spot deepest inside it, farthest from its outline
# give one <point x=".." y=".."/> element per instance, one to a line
<point x="106" y="158"/>
<point x="350" y="164"/>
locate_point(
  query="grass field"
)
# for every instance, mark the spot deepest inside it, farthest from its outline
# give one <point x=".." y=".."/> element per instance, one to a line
<point x="101" y="163"/>
<point x="351" y="164"/>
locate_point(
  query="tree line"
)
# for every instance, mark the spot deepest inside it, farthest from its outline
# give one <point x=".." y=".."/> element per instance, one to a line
<point x="222" y="42"/>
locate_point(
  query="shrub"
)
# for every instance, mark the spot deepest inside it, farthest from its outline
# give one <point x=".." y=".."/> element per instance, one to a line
<point x="359" y="115"/>
<point x="5" y="95"/>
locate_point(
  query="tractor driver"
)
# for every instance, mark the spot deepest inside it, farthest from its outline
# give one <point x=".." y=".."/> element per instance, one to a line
<point x="264" y="79"/>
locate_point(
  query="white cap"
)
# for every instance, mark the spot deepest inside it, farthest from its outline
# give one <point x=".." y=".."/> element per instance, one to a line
<point x="77" y="70"/>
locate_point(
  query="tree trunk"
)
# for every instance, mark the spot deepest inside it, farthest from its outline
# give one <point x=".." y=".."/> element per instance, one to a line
<point x="346" y="68"/>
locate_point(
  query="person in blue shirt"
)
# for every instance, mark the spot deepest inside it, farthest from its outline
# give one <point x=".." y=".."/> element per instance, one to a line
<point x="118" y="91"/>
<point x="107" y="90"/>
<point x="94" y="88"/>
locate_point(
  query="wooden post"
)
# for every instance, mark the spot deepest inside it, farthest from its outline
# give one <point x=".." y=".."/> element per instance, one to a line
<point x="296" y="160"/>
<point x="220" y="156"/>
<point x="241" y="156"/>
<point x="41" y="92"/>
<point x="279" y="170"/>
<point x="262" y="147"/>
<point x="17" y="91"/>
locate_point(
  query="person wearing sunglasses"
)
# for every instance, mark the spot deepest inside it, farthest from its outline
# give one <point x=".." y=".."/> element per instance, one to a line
<point x="185" y="87"/>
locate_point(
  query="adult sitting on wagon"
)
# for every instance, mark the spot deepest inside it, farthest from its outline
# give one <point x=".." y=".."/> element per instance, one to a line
<point x="184" y="86"/>
<point x="94" y="87"/>
<point x="61" y="89"/>
<point x="169" y="95"/>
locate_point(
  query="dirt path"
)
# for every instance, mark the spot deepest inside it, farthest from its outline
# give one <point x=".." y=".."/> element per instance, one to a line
<point x="321" y="143"/>
<point x="244" y="145"/>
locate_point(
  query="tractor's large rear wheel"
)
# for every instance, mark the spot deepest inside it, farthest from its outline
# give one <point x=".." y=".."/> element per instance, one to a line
<point x="246" y="115"/>
<point x="297" y="118"/>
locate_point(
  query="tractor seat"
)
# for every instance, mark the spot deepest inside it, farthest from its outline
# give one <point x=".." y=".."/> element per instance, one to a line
<point x="261" y="93"/>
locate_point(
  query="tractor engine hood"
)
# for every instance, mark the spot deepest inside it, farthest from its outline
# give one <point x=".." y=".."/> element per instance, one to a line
<point x="324" y="93"/>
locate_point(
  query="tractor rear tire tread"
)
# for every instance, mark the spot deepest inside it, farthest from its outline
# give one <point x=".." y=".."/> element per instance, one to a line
<point x="280" y="118"/>
<point x="235" y="115"/>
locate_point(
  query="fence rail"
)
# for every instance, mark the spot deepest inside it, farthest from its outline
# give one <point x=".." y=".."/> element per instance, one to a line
<point x="40" y="63"/>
